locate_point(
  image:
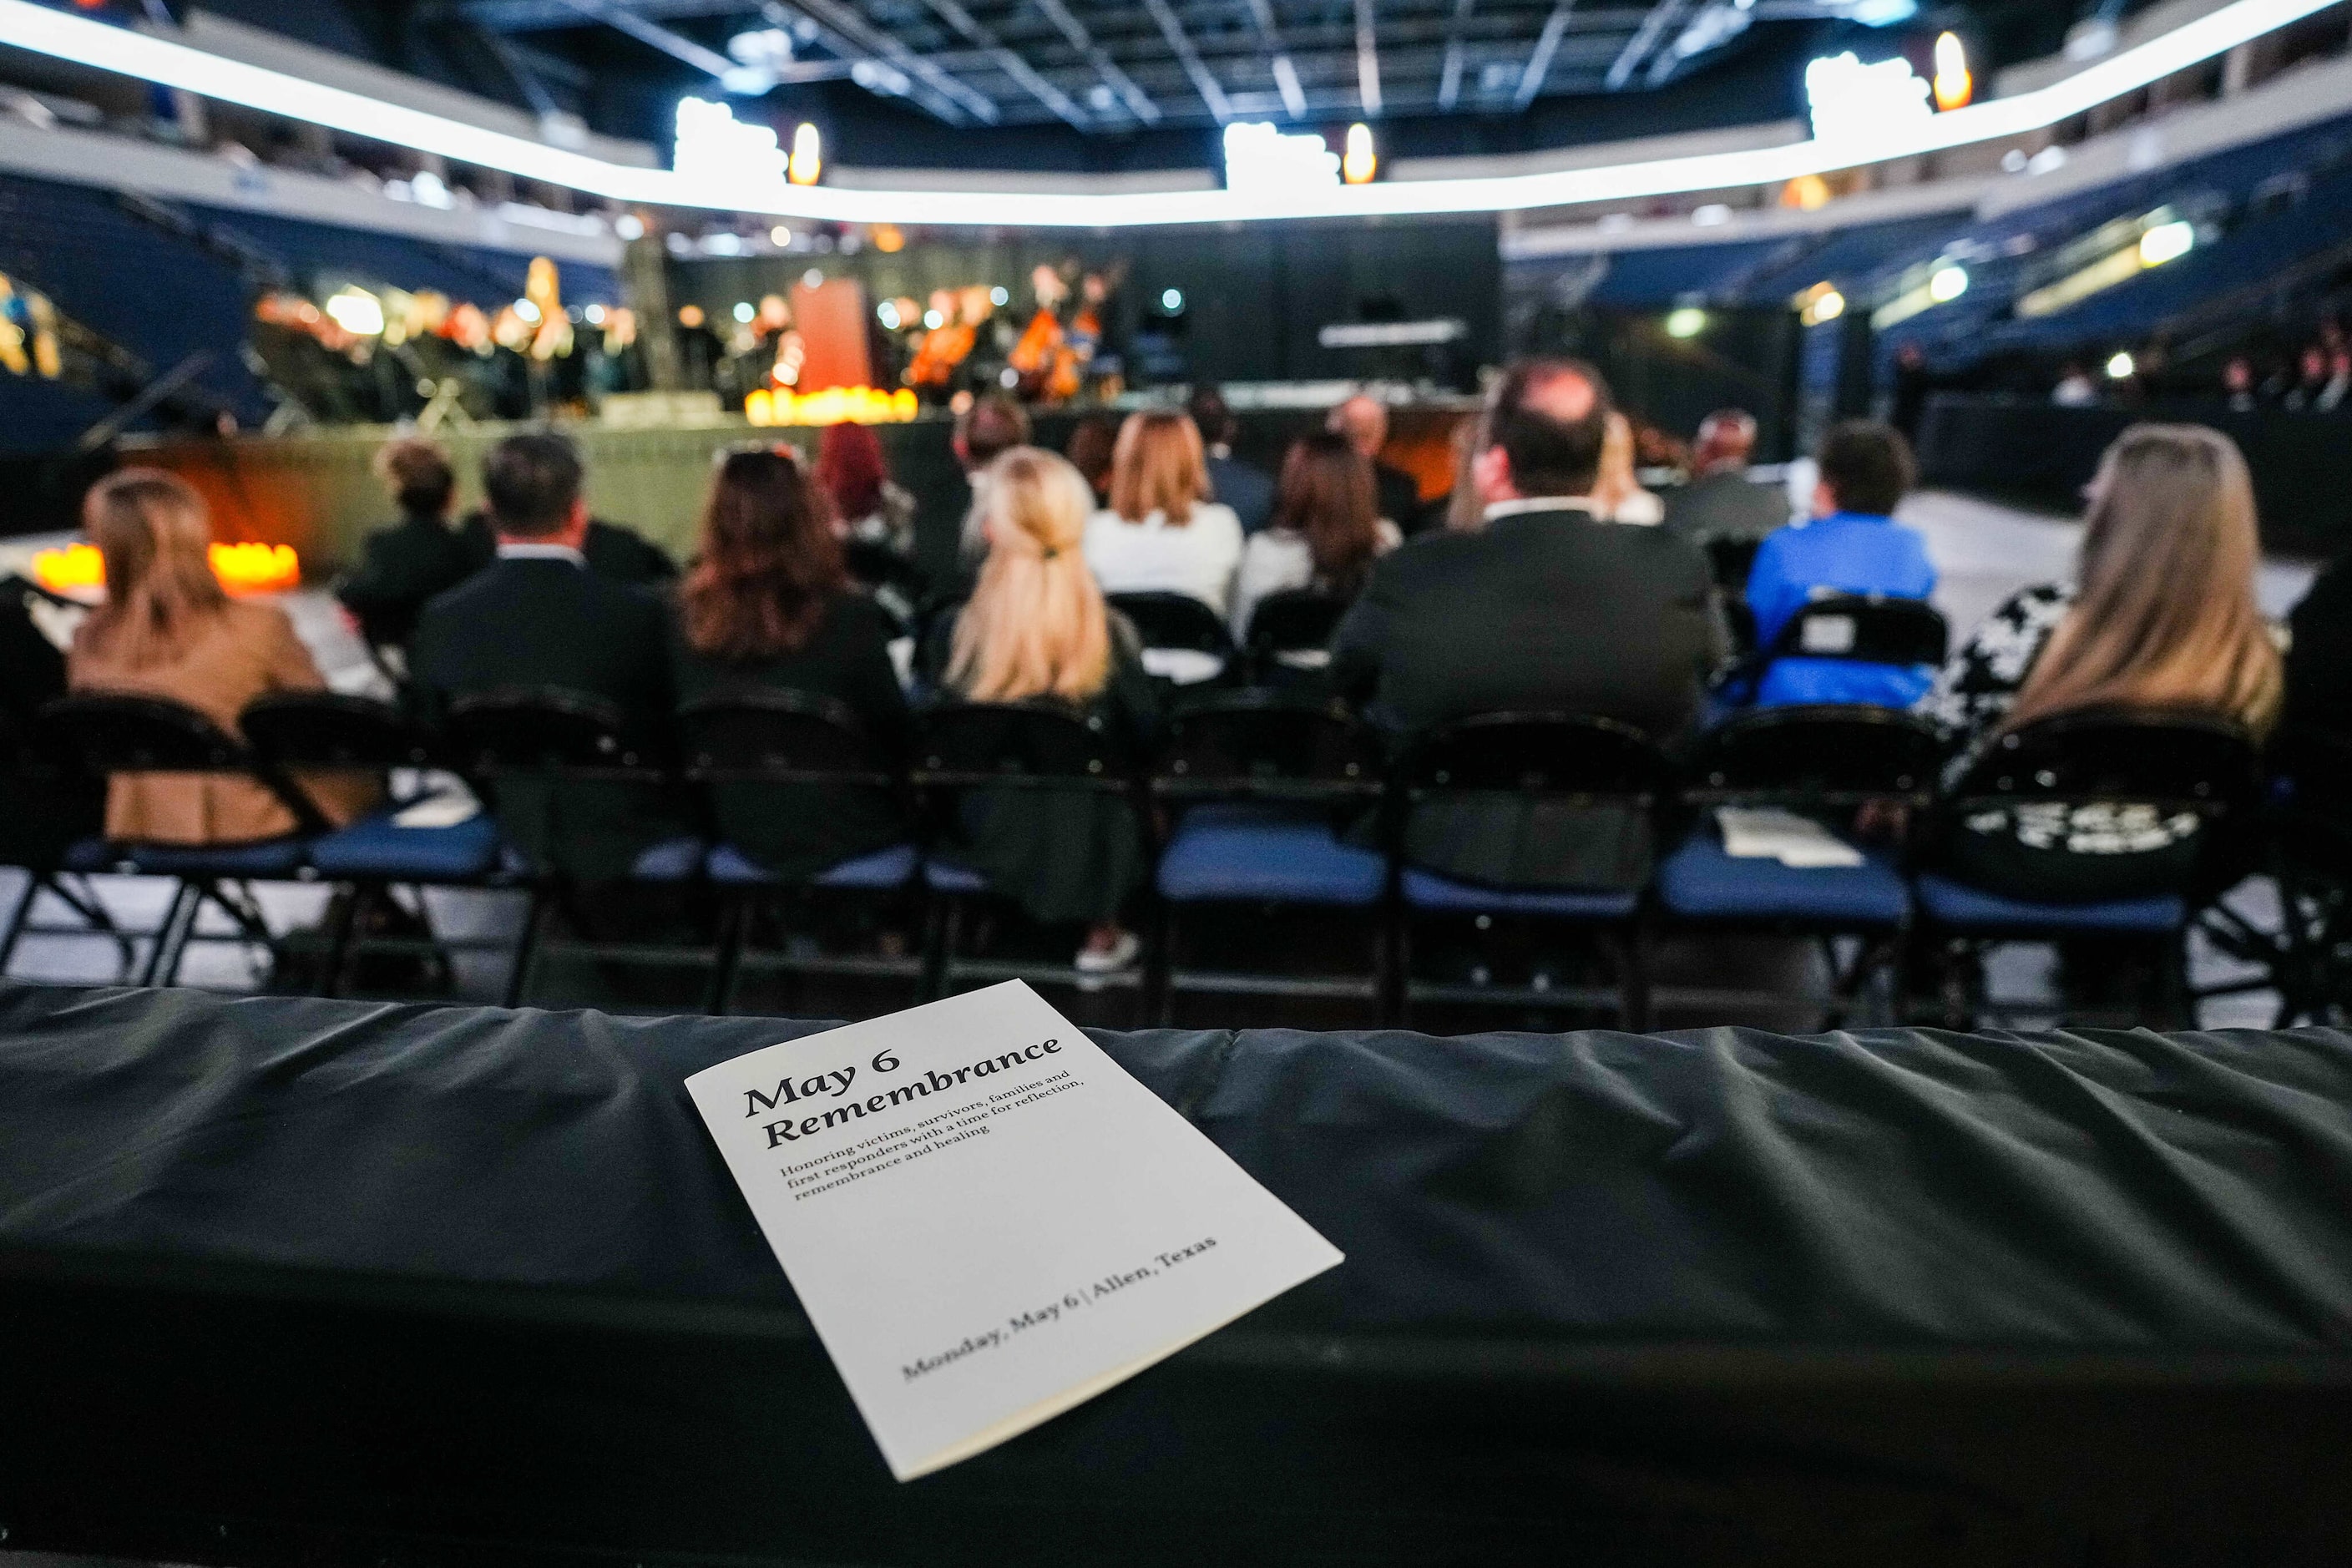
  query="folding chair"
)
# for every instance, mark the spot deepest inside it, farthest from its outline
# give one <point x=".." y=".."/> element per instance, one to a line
<point x="2305" y="841"/>
<point x="550" y="742"/>
<point x="1825" y="761"/>
<point x="1571" y="761"/>
<point x="107" y="734"/>
<point x="51" y="814"/>
<point x="2130" y="797"/>
<point x="299" y="731"/>
<point x="1024" y="750"/>
<point x="1262" y="789"/>
<point x="1185" y="643"/>
<point x="1289" y="639"/>
<point x="1856" y="636"/>
<point x="767" y="751"/>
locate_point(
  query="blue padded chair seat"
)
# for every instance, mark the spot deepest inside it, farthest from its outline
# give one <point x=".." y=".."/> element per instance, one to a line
<point x="1958" y="907"/>
<point x="879" y="870"/>
<point x="377" y="848"/>
<point x="952" y="876"/>
<point x="265" y="858"/>
<point x="671" y="861"/>
<point x="1428" y="891"/>
<point x="88" y="854"/>
<point x="1701" y="880"/>
<point x="1262" y="853"/>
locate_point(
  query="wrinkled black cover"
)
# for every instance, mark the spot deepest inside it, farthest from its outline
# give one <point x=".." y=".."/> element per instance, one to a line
<point x="285" y="1279"/>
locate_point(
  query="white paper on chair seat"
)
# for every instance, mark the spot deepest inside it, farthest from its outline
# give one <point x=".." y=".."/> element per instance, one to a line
<point x="1182" y="666"/>
<point x="437" y="811"/>
<point x="1768" y="833"/>
<point x="987" y="1220"/>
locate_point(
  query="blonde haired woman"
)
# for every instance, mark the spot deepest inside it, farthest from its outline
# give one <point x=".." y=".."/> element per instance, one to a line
<point x="167" y="630"/>
<point x="2161" y="614"/>
<point x="1160" y="533"/>
<point x="1617" y="492"/>
<point x="1036" y="630"/>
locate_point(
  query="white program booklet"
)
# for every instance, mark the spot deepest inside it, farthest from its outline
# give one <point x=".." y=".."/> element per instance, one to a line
<point x="987" y="1220"/>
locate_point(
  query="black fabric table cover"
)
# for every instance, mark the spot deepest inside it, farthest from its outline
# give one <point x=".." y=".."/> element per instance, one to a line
<point x="288" y="1281"/>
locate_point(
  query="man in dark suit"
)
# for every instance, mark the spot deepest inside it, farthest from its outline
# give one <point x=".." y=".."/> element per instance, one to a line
<point x="406" y="565"/>
<point x="1236" y="484"/>
<point x="1721" y="501"/>
<point x="537" y="616"/>
<point x="1544" y="609"/>
<point x="612" y="551"/>
<point x="1365" y="422"/>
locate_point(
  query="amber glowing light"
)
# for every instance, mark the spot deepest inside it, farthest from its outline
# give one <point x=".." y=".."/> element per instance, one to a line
<point x="240" y="568"/>
<point x="830" y="406"/>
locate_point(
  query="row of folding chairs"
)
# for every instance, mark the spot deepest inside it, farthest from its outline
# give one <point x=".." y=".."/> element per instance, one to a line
<point x="1250" y="798"/>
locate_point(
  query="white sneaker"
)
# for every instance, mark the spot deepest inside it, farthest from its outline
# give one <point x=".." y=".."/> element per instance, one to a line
<point x="1120" y="954"/>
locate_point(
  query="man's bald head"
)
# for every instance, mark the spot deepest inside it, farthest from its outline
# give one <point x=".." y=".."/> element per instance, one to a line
<point x="1727" y="438"/>
<point x="1364" y="421"/>
<point x="1545" y="427"/>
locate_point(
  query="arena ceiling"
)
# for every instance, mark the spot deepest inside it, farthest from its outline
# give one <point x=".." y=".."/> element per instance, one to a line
<point x="1110" y="67"/>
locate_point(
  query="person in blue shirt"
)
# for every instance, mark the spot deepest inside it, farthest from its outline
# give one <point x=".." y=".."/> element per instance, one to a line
<point x="1851" y="544"/>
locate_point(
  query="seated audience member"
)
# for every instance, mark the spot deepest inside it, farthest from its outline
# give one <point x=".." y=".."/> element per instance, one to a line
<point x="1850" y="545"/>
<point x="1160" y="533"/>
<point x="614" y="551"/>
<point x="769" y="605"/>
<point x="1545" y="608"/>
<point x="1232" y="481"/>
<point x="167" y="630"/>
<point x="1092" y="441"/>
<point x="1325" y="534"/>
<point x="538" y="617"/>
<point x="2161" y="614"/>
<point x="406" y="563"/>
<point x="1036" y="630"/>
<point x="992" y="427"/>
<point x="855" y="479"/>
<point x="1364" y="421"/>
<point x="1617" y="492"/>
<point x="1721" y="501"/>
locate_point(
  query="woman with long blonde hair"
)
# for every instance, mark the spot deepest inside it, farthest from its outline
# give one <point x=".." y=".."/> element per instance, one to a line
<point x="1036" y="630"/>
<point x="1617" y="492"/>
<point x="2161" y="615"/>
<point x="167" y="630"/>
<point x="1160" y="533"/>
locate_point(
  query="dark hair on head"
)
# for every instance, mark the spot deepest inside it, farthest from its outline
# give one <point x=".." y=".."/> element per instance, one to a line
<point x="1327" y="494"/>
<point x="850" y="467"/>
<point x="992" y="427"/>
<point x="1211" y="413"/>
<point x="768" y="562"/>
<point x="1549" y="455"/>
<point x="1867" y="467"/>
<point x="531" y="481"/>
<point x="417" y="472"/>
<point x="1090" y="449"/>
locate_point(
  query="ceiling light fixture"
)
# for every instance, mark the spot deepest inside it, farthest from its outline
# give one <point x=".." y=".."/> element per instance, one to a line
<point x="62" y="36"/>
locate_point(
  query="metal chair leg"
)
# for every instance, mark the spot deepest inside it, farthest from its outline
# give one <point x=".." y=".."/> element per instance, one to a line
<point x="339" y="939"/>
<point x="18" y="916"/>
<point x="734" y="930"/>
<point x="525" y="949"/>
<point x="1159" y="965"/>
<point x="183" y="896"/>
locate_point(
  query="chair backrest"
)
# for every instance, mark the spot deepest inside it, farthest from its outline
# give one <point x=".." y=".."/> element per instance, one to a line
<point x="1831" y="755"/>
<point x="330" y="729"/>
<point x="110" y="733"/>
<point x="2171" y="759"/>
<point x="1175" y="621"/>
<point x="1295" y="621"/>
<point x="1260" y="746"/>
<point x="1866" y="628"/>
<point x="1577" y="756"/>
<point x="1730" y="561"/>
<point x="966" y="745"/>
<point x="765" y="735"/>
<point x="545" y="730"/>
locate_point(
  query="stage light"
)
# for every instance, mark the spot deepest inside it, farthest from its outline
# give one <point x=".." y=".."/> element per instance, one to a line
<point x="1000" y="296"/>
<point x="358" y="312"/>
<point x="730" y="185"/>
<point x="1954" y="86"/>
<point x="1688" y="322"/>
<point x="813" y="278"/>
<point x="1850" y="101"/>
<point x="886" y="313"/>
<point x="1360" y="162"/>
<point x="889" y="241"/>
<point x="745" y="311"/>
<point x="595" y="315"/>
<point x="2166" y="242"/>
<point x="1884" y="13"/>
<point x="807" y="160"/>
<point x="1262" y="161"/>
<point x="527" y="311"/>
<point x="2121" y="367"/>
<point x="710" y="147"/>
<point x="1820" y="303"/>
<point x="934" y="321"/>
<point x="628" y="225"/>
<point x="1172" y="301"/>
<point x="1946" y="284"/>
